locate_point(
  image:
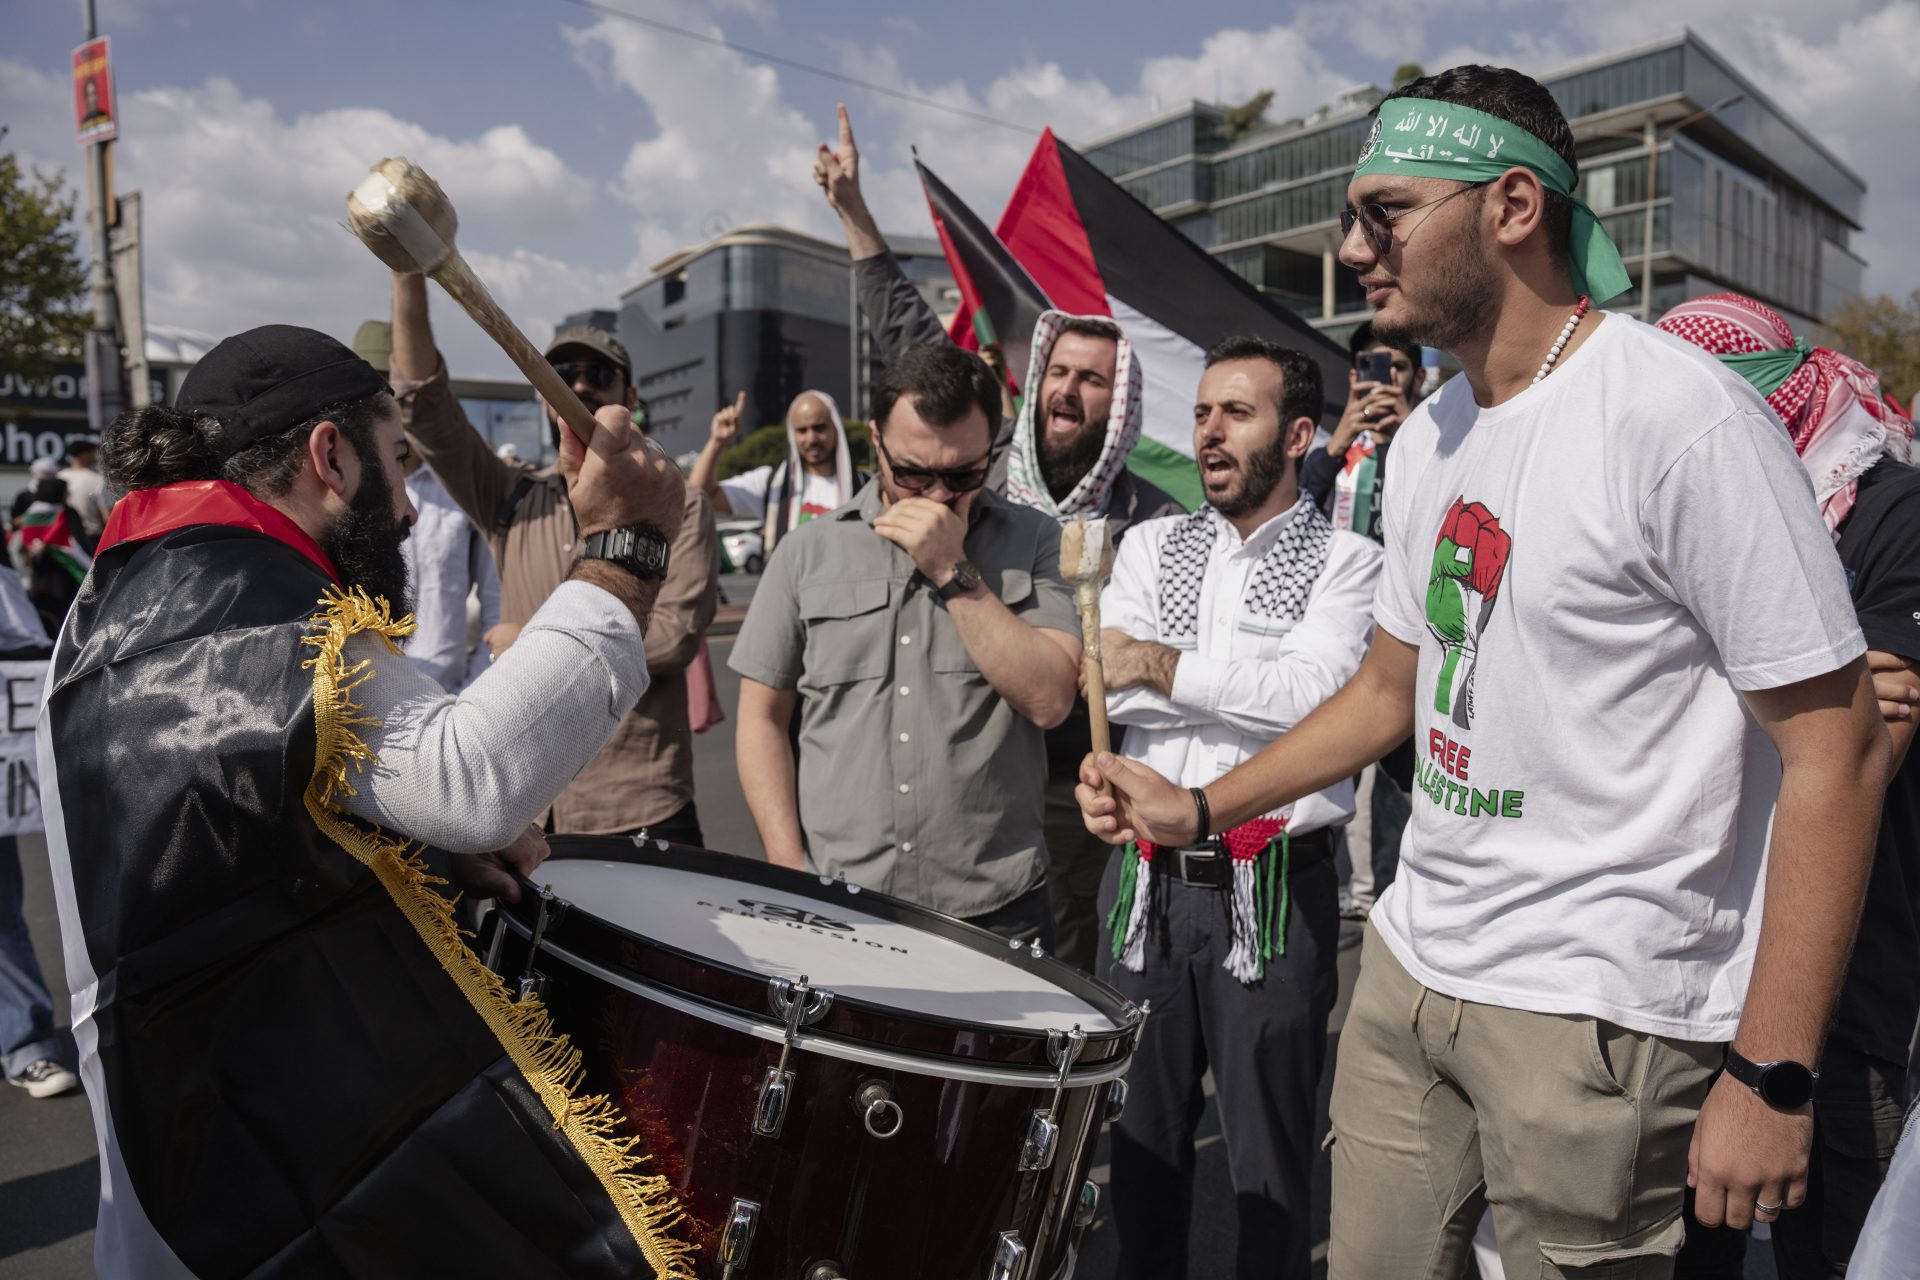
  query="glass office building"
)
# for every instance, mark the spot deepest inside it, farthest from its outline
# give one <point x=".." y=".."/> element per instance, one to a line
<point x="761" y="309"/>
<point x="1742" y="196"/>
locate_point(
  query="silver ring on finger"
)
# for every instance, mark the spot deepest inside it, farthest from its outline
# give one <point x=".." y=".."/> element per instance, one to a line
<point x="1760" y="1208"/>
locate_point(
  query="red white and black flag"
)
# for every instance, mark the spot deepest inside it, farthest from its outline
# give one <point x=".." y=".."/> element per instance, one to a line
<point x="1088" y="247"/>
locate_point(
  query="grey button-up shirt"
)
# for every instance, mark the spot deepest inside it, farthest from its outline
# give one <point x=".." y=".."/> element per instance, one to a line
<point x="916" y="778"/>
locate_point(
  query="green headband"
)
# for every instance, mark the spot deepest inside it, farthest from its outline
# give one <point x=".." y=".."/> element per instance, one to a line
<point x="1444" y="140"/>
<point x="1768" y="371"/>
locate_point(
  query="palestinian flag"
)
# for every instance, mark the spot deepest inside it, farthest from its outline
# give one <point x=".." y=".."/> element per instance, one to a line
<point x="1093" y="249"/>
<point x="44" y="524"/>
<point x="999" y="302"/>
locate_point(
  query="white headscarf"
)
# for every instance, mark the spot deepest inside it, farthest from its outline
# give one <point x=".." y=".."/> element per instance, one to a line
<point x="784" y="498"/>
<point x="1026" y="484"/>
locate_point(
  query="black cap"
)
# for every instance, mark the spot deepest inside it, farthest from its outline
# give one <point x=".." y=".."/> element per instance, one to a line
<point x="259" y="383"/>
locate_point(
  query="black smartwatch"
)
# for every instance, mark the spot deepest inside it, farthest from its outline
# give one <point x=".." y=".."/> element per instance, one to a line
<point x="965" y="578"/>
<point x="1785" y="1085"/>
<point x="640" y="549"/>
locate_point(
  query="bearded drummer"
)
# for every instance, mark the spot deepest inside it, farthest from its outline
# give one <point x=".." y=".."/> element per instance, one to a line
<point x="294" y="1061"/>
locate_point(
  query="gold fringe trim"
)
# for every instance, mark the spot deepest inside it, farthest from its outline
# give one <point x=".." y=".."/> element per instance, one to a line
<point x="545" y="1058"/>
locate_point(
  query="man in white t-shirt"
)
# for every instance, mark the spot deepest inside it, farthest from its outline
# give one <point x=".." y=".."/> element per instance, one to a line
<point x="816" y="478"/>
<point x="86" y="487"/>
<point x="1614" y="620"/>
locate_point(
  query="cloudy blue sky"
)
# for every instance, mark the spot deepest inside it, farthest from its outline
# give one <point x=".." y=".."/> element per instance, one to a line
<point x="579" y="148"/>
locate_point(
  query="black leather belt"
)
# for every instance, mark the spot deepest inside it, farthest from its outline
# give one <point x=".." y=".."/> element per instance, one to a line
<point x="1206" y="864"/>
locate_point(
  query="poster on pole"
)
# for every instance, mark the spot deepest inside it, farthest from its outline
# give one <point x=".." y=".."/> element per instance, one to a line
<point x="93" y="104"/>
<point x="20" y="687"/>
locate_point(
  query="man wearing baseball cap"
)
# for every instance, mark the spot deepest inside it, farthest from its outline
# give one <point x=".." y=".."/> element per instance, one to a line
<point x="644" y="778"/>
<point x="295" y="1062"/>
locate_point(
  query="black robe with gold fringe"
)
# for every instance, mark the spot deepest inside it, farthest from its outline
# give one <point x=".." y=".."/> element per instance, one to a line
<point x="297" y="1066"/>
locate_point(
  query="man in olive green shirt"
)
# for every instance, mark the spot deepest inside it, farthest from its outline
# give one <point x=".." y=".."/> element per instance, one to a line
<point x="928" y="639"/>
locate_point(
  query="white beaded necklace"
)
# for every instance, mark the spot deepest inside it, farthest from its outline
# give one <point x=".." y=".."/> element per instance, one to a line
<point x="1560" y="343"/>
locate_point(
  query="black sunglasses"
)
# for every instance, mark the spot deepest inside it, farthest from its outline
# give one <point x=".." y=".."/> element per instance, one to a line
<point x="597" y="374"/>
<point x="920" y="479"/>
<point x="1376" y="220"/>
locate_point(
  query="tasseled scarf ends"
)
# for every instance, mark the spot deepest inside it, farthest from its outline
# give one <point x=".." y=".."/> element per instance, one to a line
<point x="1262" y="855"/>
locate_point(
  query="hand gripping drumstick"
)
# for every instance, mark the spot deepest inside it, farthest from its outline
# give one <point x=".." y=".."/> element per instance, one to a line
<point x="1086" y="560"/>
<point x="406" y="219"/>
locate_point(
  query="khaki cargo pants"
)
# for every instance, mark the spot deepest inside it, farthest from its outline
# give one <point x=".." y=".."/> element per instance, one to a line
<point x="1572" y="1130"/>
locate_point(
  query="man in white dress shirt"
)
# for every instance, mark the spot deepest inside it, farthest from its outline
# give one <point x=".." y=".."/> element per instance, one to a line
<point x="1224" y="629"/>
<point x="447" y="560"/>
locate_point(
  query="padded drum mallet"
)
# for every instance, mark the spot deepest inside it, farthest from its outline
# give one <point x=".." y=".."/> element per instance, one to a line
<point x="1086" y="561"/>
<point x="401" y="214"/>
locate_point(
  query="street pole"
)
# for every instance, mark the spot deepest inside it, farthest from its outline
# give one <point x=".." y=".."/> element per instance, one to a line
<point x="104" y="381"/>
<point x="1646" y="240"/>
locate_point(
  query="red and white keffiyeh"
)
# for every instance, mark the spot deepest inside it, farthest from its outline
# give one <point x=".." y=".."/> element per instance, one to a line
<point x="1832" y="405"/>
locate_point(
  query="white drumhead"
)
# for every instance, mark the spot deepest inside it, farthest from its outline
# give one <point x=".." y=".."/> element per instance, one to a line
<point x="837" y="947"/>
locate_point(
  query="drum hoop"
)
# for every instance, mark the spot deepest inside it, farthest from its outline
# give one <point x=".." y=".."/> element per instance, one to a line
<point x="1120" y="1013"/>
<point x="826" y="1045"/>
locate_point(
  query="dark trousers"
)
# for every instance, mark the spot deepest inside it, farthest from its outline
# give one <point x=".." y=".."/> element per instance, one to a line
<point x="1028" y="918"/>
<point x="1076" y="860"/>
<point x="1859" y="1106"/>
<point x="682" y="826"/>
<point x="1266" y="1044"/>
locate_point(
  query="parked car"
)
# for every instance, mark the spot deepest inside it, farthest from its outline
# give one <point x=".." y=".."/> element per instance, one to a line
<point x="742" y="546"/>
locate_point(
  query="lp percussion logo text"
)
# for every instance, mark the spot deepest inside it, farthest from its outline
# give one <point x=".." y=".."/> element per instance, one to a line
<point x="796" y="915"/>
<point x="800" y="918"/>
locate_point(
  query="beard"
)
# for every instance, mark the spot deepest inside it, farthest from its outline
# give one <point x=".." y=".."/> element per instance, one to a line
<point x="1064" y="463"/>
<point x="364" y="544"/>
<point x="1258" y="477"/>
<point x="1456" y="307"/>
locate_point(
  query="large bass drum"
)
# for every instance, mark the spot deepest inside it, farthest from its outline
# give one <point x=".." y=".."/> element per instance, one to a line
<point x="837" y="1083"/>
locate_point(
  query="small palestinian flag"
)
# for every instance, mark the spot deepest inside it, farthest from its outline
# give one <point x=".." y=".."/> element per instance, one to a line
<point x="1093" y="249"/>
<point x="999" y="302"/>
<point x="45" y="525"/>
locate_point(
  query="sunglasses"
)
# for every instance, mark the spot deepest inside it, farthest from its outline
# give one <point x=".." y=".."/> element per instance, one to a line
<point x="921" y="479"/>
<point x="597" y="374"/>
<point x="1376" y="220"/>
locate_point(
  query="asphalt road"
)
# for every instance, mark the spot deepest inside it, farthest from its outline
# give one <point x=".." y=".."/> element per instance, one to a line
<point x="49" y="1174"/>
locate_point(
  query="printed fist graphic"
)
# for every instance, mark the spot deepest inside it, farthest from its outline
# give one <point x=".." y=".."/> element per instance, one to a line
<point x="1469" y="559"/>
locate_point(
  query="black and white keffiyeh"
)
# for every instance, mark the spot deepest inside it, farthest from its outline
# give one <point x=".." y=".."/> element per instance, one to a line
<point x="1277" y="591"/>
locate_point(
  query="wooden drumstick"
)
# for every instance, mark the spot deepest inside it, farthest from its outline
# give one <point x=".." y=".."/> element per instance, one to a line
<point x="1086" y="560"/>
<point x="401" y="214"/>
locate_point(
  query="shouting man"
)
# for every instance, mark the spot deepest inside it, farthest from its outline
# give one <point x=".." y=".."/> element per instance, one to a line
<point x="1225" y="629"/>
<point x="1068" y="457"/>
<point x="296" y="1064"/>
<point x="1612" y="617"/>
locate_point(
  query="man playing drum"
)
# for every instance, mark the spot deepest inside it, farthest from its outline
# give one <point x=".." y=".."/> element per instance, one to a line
<point x="1225" y="629"/>
<point x="296" y="1064"/>
<point x="1613" y="617"/>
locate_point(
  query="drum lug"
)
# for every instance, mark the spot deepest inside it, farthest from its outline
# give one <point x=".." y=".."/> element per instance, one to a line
<point x="1043" y="1139"/>
<point x="799" y="1005"/>
<point x="1088" y="1206"/>
<point x="770" y="1113"/>
<point x="1009" y="1257"/>
<point x="1116" y="1101"/>
<point x="532" y="984"/>
<point x="736" y="1242"/>
<point x="1043" y="1128"/>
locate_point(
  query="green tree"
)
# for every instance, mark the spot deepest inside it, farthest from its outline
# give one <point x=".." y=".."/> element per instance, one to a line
<point x="43" y="284"/>
<point x="1246" y="117"/>
<point x="1882" y="333"/>
<point x="1407" y="73"/>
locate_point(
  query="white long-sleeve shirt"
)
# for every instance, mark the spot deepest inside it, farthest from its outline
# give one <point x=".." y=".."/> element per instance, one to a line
<point x="447" y="559"/>
<point x="1237" y="688"/>
<point x="469" y="772"/>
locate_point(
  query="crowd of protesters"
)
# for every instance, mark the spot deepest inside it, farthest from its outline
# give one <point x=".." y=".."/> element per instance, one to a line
<point x="1577" y="693"/>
